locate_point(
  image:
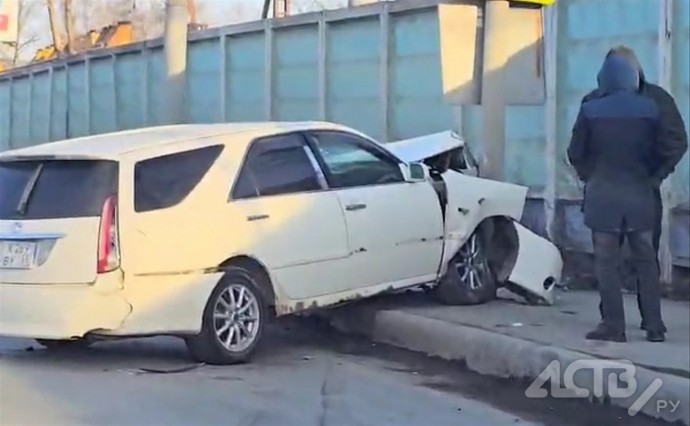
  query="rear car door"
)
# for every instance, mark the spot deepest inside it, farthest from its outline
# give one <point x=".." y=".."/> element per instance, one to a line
<point x="164" y="210"/>
<point x="298" y="226"/>
<point x="395" y="228"/>
<point x="50" y="215"/>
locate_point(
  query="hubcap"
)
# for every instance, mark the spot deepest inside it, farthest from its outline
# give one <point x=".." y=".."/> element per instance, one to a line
<point x="469" y="264"/>
<point x="236" y="317"/>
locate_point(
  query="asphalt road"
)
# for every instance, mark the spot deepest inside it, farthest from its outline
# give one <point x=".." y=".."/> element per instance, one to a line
<point x="304" y="375"/>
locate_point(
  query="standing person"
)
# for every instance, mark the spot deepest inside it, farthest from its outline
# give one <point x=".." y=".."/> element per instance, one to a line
<point x="673" y="143"/>
<point x="613" y="149"/>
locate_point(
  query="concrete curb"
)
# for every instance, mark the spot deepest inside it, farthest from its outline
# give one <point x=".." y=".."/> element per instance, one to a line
<point x="499" y="355"/>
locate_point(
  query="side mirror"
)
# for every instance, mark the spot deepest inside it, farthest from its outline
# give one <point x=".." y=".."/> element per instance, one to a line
<point x="415" y="172"/>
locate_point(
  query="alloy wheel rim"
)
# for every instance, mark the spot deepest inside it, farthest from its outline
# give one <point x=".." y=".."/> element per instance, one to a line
<point x="469" y="264"/>
<point x="236" y="317"/>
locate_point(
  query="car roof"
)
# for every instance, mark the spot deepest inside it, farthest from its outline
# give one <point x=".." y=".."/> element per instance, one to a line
<point x="113" y="145"/>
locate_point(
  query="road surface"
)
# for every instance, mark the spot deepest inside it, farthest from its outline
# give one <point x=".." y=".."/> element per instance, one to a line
<point x="304" y="375"/>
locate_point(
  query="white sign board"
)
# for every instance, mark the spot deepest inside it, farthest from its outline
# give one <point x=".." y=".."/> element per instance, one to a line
<point x="9" y="15"/>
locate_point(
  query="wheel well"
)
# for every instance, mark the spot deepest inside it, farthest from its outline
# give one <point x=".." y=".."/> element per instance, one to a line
<point x="503" y="245"/>
<point x="256" y="268"/>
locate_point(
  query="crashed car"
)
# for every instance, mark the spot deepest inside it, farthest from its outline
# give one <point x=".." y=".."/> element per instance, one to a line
<point x="207" y="231"/>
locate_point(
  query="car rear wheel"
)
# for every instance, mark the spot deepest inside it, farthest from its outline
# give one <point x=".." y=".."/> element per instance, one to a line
<point x="469" y="279"/>
<point x="233" y="321"/>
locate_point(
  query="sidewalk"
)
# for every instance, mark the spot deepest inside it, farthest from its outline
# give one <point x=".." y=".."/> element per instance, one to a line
<point x="508" y="339"/>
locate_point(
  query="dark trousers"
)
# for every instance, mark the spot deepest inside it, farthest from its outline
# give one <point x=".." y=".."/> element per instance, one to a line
<point x="656" y="237"/>
<point x="608" y="256"/>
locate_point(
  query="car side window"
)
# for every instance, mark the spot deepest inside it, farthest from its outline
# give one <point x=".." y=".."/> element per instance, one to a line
<point x="274" y="166"/>
<point x="352" y="161"/>
<point x="165" y="181"/>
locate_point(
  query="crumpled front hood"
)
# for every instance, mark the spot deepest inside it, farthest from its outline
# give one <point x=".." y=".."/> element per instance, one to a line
<point x="423" y="147"/>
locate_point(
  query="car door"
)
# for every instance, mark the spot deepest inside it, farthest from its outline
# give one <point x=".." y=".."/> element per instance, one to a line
<point x="297" y="225"/>
<point x="395" y="227"/>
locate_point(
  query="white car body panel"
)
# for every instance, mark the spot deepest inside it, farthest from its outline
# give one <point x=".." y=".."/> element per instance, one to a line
<point x="471" y="200"/>
<point x="60" y="311"/>
<point x="57" y="239"/>
<point x="316" y="252"/>
<point x="387" y="230"/>
<point x="538" y="260"/>
<point x="419" y="148"/>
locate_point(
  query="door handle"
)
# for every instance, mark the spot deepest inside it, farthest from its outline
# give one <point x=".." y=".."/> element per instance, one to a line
<point x="353" y="207"/>
<point x="257" y="217"/>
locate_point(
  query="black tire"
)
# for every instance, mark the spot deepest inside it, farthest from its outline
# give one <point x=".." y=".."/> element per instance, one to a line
<point x="456" y="287"/>
<point x="208" y="346"/>
<point x="53" y="344"/>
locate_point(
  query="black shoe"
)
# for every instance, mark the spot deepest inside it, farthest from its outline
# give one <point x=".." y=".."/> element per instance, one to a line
<point x="603" y="333"/>
<point x="656" y="336"/>
<point x="643" y="326"/>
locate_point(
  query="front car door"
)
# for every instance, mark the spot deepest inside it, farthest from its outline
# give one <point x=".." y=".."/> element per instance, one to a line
<point x="395" y="228"/>
<point x="297" y="226"/>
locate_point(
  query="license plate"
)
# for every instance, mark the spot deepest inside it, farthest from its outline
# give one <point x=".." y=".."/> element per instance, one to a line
<point x="17" y="254"/>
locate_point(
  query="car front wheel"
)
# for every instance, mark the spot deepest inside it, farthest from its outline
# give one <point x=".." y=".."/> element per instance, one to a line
<point x="233" y="321"/>
<point x="469" y="279"/>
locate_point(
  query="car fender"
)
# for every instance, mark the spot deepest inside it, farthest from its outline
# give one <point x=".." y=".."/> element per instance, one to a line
<point x="532" y="265"/>
<point x="471" y="200"/>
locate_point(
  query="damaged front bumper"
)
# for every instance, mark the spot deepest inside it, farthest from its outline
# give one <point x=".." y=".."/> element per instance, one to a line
<point x="538" y="266"/>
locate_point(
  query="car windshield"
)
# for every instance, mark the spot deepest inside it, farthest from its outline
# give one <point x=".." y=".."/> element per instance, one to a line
<point x="53" y="189"/>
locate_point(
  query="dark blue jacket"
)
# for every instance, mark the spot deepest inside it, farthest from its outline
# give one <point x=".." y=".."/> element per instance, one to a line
<point x="674" y="137"/>
<point x="613" y="149"/>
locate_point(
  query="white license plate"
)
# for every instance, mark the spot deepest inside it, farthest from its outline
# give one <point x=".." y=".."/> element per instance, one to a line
<point x="17" y="254"/>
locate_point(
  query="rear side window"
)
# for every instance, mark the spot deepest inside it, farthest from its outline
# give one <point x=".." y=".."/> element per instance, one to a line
<point x="276" y="165"/>
<point x="55" y="189"/>
<point x="165" y="181"/>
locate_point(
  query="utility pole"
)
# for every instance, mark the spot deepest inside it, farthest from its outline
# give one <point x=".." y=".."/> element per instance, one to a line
<point x="69" y="25"/>
<point x="281" y="8"/>
<point x="176" y="20"/>
<point x="264" y="10"/>
<point x="191" y="10"/>
<point x="55" y="31"/>
<point x="493" y="100"/>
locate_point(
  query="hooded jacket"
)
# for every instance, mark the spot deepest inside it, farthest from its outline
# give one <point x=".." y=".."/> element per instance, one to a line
<point x="673" y="139"/>
<point x="614" y="147"/>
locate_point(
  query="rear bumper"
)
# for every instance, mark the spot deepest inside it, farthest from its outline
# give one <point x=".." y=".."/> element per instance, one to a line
<point x="59" y="311"/>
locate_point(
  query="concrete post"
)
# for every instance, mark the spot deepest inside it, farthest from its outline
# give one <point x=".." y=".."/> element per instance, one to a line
<point x="175" y="60"/>
<point x="550" y="20"/>
<point x="664" y="69"/>
<point x="493" y="100"/>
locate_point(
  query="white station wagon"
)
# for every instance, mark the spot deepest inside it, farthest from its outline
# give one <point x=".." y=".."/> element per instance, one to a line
<point x="207" y="231"/>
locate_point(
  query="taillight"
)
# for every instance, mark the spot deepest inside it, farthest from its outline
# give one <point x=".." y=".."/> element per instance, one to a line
<point x="108" y="244"/>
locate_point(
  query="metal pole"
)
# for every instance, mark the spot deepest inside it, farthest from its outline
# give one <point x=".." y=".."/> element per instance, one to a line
<point x="264" y="11"/>
<point x="176" y="60"/>
<point x="665" y="48"/>
<point x="493" y="100"/>
<point x="550" y="19"/>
